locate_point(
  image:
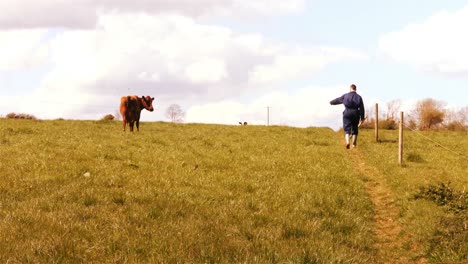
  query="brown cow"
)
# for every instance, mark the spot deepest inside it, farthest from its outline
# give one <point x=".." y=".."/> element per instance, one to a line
<point x="130" y="108"/>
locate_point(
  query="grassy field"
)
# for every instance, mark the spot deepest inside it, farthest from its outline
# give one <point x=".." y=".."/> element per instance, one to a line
<point x="430" y="191"/>
<point x="83" y="191"/>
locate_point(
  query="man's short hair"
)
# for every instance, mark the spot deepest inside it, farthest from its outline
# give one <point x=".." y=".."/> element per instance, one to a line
<point x="353" y="86"/>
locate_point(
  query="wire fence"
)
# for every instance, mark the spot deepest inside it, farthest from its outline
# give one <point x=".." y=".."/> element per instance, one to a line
<point x="438" y="144"/>
<point x="417" y="132"/>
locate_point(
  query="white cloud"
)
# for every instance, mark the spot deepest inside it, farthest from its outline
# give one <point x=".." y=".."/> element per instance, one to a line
<point x="167" y="55"/>
<point x="9" y="104"/>
<point x="438" y="44"/>
<point x="22" y="49"/>
<point x="299" y="62"/>
<point x="206" y="70"/>
<point x="85" y="13"/>
<point x="246" y="8"/>
<point x="172" y="57"/>
<point x="63" y="104"/>
<point x="306" y="107"/>
<point x="222" y="112"/>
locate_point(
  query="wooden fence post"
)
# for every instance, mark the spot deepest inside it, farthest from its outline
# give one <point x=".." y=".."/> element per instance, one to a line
<point x="376" y="125"/>
<point x="400" y="141"/>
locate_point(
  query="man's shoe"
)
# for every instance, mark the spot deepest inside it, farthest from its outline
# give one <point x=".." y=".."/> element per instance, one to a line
<point x="354" y="146"/>
<point x="347" y="146"/>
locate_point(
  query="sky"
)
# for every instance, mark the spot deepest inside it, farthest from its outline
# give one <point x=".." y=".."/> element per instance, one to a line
<point x="225" y="61"/>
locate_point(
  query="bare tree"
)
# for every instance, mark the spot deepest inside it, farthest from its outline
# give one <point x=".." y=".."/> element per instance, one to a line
<point x="456" y="119"/>
<point x="175" y="113"/>
<point x="462" y="115"/>
<point x="392" y="109"/>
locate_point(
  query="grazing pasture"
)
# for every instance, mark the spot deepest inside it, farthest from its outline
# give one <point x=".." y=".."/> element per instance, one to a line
<point x="84" y="191"/>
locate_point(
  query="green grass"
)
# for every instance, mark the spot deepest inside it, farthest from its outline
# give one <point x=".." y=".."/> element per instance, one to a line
<point x="440" y="233"/>
<point x="83" y="191"/>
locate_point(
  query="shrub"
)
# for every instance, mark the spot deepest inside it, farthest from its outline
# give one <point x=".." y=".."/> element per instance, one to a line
<point x="389" y="124"/>
<point x="429" y="113"/>
<point x="368" y="124"/>
<point x="383" y="124"/>
<point x="444" y="195"/>
<point x="108" y="117"/>
<point x="451" y="232"/>
<point x="20" y="116"/>
<point x="456" y="126"/>
<point x="414" y="157"/>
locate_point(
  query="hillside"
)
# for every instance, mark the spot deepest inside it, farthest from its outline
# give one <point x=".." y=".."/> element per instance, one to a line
<point x="81" y="191"/>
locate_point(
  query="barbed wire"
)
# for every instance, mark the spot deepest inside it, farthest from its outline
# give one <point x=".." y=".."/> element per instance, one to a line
<point x="435" y="142"/>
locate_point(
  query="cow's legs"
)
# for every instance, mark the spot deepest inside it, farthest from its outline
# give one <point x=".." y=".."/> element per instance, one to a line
<point x="138" y="121"/>
<point x="124" y="124"/>
<point x="131" y="125"/>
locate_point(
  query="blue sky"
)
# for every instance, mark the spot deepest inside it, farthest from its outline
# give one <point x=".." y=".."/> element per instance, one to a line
<point x="359" y="24"/>
<point x="225" y="61"/>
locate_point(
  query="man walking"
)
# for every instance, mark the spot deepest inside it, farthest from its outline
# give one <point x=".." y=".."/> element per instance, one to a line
<point x="353" y="114"/>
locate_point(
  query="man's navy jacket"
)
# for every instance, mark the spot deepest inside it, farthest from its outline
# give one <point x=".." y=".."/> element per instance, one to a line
<point x="351" y="101"/>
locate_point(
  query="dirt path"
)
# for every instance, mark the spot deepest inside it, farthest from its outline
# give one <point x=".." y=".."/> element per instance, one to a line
<point x="390" y="241"/>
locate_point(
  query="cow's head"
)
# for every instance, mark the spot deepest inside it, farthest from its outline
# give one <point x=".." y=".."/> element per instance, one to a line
<point x="147" y="102"/>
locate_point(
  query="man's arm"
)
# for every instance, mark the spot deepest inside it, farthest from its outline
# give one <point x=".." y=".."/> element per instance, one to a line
<point x="337" y="101"/>
<point x="362" y="112"/>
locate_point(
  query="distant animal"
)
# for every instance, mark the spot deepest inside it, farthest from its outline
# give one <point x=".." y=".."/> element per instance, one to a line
<point x="130" y="108"/>
<point x="245" y="123"/>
